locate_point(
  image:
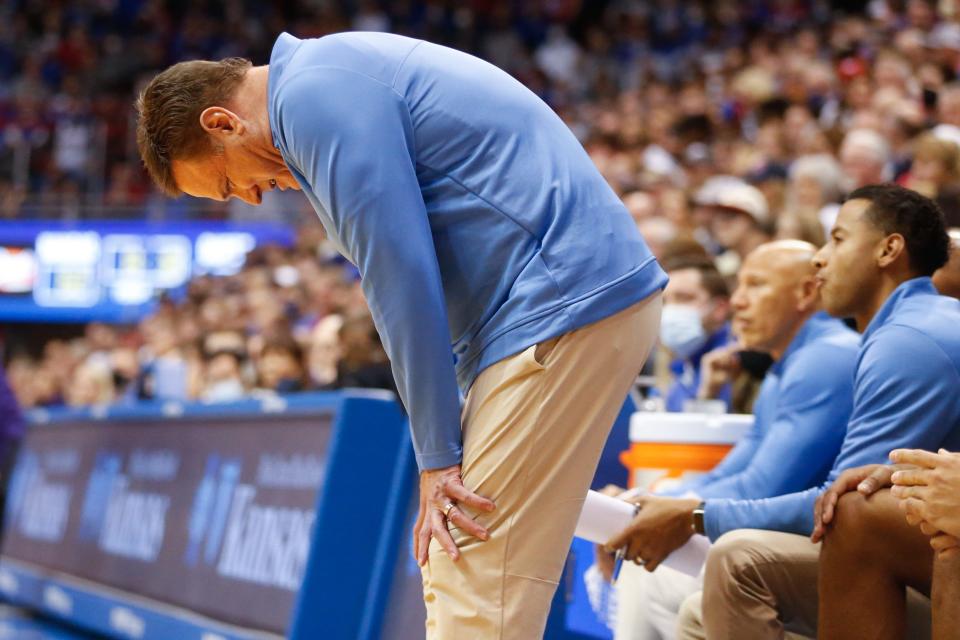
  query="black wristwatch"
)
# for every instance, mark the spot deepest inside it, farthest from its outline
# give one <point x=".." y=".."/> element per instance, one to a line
<point x="698" y="526"/>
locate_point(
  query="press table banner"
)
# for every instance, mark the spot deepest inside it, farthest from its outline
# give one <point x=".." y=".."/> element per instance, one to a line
<point x="208" y="513"/>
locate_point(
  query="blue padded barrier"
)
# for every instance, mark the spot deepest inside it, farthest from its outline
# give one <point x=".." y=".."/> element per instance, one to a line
<point x="192" y="521"/>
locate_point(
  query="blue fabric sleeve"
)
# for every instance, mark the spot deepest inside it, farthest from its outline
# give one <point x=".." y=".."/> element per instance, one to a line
<point x="806" y="430"/>
<point x="791" y="513"/>
<point x="733" y="463"/>
<point x="899" y="402"/>
<point x="357" y="153"/>
<point x="905" y="398"/>
<point x="743" y="452"/>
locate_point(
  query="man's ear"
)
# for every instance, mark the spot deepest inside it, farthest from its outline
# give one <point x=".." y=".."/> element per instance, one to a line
<point x="220" y="121"/>
<point x="808" y="295"/>
<point x="890" y="249"/>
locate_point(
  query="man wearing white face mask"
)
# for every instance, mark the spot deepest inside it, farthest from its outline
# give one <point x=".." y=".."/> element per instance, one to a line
<point x="694" y="322"/>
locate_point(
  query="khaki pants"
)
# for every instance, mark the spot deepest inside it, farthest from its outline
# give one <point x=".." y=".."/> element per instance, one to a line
<point x="756" y="583"/>
<point x="534" y="426"/>
<point x="763" y="584"/>
<point x="647" y="603"/>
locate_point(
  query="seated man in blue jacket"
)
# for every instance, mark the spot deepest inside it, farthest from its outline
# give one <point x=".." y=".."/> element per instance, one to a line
<point x="801" y="413"/>
<point x="876" y="269"/>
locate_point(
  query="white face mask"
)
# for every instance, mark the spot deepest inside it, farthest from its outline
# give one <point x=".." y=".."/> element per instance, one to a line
<point x="681" y="330"/>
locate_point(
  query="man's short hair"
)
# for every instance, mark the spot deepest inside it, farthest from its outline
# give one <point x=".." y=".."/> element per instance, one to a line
<point x="169" y="111"/>
<point x="714" y="283"/>
<point x="895" y="209"/>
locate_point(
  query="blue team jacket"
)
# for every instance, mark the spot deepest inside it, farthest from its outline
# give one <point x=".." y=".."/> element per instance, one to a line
<point x="800" y="414"/>
<point x="905" y="395"/>
<point x="477" y="221"/>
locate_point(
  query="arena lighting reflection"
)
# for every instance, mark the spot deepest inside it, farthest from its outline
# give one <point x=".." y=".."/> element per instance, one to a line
<point x="116" y="271"/>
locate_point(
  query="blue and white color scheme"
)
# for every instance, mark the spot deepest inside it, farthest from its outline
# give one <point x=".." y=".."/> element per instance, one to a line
<point x="907" y="374"/>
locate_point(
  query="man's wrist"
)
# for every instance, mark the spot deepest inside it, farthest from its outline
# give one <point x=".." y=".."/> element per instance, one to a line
<point x="440" y="460"/>
<point x="698" y="521"/>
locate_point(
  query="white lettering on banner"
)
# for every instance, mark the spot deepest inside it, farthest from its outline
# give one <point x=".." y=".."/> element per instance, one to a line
<point x="127" y="622"/>
<point x="154" y="465"/>
<point x="134" y="523"/>
<point x="61" y="461"/>
<point x="297" y="471"/>
<point x="265" y="545"/>
<point x="46" y="506"/>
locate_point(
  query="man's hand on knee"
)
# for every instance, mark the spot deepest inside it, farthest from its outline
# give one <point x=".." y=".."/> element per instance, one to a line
<point x="441" y="494"/>
<point x="867" y="480"/>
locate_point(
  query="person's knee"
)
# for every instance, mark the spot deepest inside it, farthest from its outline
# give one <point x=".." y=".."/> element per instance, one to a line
<point x="852" y="522"/>
<point x="857" y="521"/>
<point x="732" y="558"/>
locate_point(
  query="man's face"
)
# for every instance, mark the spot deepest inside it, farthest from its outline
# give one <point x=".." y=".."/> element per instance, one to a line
<point x="807" y="192"/>
<point x="730" y="226"/>
<point x="325" y="344"/>
<point x="686" y="288"/>
<point x="765" y="300"/>
<point x="223" y="366"/>
<point x="860" y="166"/>
<point x="277" y="365"/>
<point x="929" y="172"/>
<point x="846" y="268"/>
<point x="948" y="107"/>
<point x="233" y="170"/>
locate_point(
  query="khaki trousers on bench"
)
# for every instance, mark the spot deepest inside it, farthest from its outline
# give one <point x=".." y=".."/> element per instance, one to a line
<point x="534" y="425"/>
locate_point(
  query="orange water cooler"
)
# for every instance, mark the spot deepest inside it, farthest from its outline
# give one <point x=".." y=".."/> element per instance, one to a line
<point x="667" y="448"/>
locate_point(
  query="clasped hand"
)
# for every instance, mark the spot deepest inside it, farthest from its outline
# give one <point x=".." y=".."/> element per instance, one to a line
<point x="929" y="492"/>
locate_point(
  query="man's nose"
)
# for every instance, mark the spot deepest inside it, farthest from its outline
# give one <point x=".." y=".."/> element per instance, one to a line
<point x="738" y="300"/>
<point x="820" y="259"/>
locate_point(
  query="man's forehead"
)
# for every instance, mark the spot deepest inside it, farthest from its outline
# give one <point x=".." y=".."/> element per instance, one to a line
<point x="851" y="213"/>
<point x="685" y="274"/>
<point x="776" y="260"/>
<point x="685" y="278"/>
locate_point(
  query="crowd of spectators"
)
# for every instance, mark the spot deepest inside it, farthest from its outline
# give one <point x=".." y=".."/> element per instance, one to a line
<point x="289" y="321"/>
<point x="722" y="125"/>
<point x="663" y="93"/>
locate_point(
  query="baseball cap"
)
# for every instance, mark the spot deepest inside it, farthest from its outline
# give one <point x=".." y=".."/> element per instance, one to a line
<point x="743" y="197"/>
